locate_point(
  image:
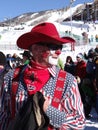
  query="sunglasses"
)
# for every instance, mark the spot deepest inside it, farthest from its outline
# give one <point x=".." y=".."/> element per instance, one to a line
<point x="54" y="47"/>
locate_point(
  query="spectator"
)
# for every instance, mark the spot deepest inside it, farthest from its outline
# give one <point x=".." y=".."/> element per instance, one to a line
<point x="96" y="80"/>
<point x="69" y="65"/>
<point x="16" y="60"/>
<point x="89" y="96"/>
<point x="9" y="60"/>
<point x="96" y="49"/>
<point x="86" y="72"/>
<point x="90" y="67"/>
<point x="2" y="71"/>
<point x="26" y="57"/>
<point x="80" y="67"/>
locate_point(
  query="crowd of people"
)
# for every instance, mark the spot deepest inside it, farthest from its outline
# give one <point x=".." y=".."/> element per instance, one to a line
<point x="85" y="69"/>
<point x="40" y="74"/>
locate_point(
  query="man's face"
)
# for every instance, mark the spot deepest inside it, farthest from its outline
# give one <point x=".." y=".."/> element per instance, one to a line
<point x="46" y="53"/>
<point x="78" y="59"/>
<point x="25" y="58"/>
<point x="54" y="52"/>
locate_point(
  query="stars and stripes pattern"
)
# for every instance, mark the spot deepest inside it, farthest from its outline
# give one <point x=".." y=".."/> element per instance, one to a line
<point x="70" y="113"/>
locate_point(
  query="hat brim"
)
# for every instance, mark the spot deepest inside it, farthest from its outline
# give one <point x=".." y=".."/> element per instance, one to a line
<point x="69" y="38"/>
<point x="28" y="39"/>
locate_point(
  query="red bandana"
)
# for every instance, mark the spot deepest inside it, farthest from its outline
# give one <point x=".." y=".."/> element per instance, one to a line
<point x="35" y="77"/>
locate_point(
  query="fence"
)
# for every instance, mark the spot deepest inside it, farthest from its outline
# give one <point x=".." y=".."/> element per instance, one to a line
<point x="8" y="47"/>
<point x="12" y="46"/>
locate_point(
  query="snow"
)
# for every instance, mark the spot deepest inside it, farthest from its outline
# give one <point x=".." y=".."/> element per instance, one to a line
<point x="92" y="124"/>
<point x="9" y="37"/>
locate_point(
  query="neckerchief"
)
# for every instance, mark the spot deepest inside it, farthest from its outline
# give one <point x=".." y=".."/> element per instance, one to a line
<point x="35" y="77"/>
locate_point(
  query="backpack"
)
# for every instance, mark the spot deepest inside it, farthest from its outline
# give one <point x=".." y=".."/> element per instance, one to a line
<point x="31" y="116"/>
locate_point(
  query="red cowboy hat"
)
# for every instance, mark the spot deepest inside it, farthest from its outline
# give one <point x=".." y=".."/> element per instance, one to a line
<point x="44" y="32"/>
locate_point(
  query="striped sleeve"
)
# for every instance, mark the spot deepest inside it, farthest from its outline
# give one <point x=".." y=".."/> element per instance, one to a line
<point x="5" y="102"/>
<point x="74" y="107"/>
<point x="71" y="113"/>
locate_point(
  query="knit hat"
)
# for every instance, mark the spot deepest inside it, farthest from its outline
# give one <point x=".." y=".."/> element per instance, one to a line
<point x="2" y="59"/>
<point x="80" y="55"/>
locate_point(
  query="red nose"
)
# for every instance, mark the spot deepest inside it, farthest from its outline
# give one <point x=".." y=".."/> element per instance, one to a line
<point x="58" y="52"/>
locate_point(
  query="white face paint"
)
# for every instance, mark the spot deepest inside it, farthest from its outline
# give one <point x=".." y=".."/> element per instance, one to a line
<point x="53" y="60"/>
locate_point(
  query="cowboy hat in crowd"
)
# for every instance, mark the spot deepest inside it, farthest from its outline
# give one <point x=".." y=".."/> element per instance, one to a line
<point x="45" y="32"/>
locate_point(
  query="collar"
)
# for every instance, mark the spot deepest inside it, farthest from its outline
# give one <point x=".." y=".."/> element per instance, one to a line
<point x="52" y="71"/>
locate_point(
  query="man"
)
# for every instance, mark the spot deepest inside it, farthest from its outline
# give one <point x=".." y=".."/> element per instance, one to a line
<point x="2" y="71"/>
<point x="64" y="112"/>
<point x="80" y="68"/>
<point x="96" y="80"/>
<point x="26" y="57"/>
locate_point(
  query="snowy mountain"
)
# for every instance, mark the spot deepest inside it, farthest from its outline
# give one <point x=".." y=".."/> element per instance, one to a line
<point x="58" y="15"/>
<point x="34" y="18"/>
<point x="37" y="17"/>
<point x="11" y="29"/>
